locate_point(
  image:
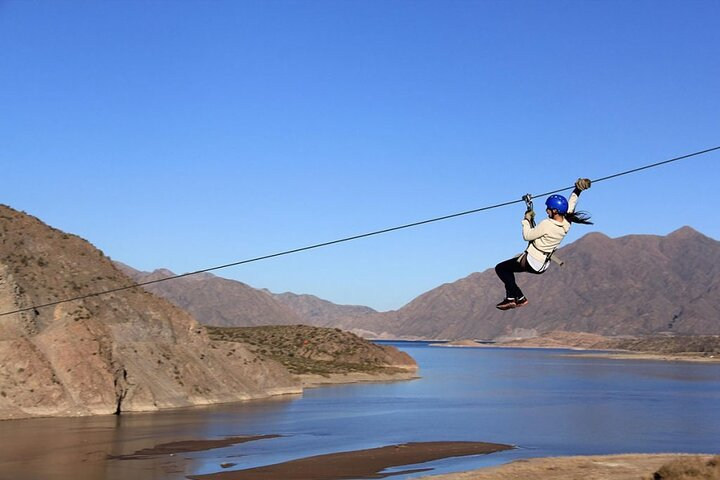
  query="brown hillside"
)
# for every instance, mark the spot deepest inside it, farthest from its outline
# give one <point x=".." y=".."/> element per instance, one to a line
<point x="222" y="302"/>
<point x="218" y="301"/>
<point x="319" y="312"/>
<point x="314" y="350"/>
<point x="126" y="351"/>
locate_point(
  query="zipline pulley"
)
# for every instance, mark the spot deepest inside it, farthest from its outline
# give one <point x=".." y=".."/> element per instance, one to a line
<point x="529" y="204"/>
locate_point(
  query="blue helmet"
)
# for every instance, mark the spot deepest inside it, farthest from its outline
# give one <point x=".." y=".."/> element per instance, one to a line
<point x="557" y="202"/>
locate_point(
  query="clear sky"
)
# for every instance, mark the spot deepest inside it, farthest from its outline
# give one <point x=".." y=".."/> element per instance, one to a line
<point x="190" y="134"/>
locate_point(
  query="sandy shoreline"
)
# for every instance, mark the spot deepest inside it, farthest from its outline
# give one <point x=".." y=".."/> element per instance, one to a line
<point x="599" y="467"/>
<point x="313" y="381"/>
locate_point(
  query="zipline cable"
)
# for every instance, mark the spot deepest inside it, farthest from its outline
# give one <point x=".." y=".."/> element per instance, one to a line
<point x="348" y="239"/>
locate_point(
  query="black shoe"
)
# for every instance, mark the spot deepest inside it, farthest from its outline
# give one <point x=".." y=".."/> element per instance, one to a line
<point x="506" y="304"/>
<point x="521" y="302"/>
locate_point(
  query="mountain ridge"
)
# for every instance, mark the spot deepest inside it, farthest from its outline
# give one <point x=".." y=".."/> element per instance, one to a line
<point x="675" y="276"/>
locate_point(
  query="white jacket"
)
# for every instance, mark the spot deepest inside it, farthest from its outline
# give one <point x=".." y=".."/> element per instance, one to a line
<point x="548" y="234"/>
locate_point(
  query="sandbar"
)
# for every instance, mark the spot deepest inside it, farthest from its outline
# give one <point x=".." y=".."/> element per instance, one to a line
<point x="359" y="463"/>
<point x="185" y="446"/>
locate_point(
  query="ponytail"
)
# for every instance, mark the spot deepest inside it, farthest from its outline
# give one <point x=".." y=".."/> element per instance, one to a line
<point x="578" y="217"/>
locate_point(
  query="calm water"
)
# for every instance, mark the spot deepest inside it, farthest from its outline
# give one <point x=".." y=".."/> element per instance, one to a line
<point x="547" y="402"/>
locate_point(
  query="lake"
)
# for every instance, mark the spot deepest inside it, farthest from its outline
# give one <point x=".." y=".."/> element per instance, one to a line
<point x="547" y="402"/>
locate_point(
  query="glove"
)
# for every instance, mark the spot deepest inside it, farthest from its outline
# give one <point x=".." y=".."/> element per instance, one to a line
<point x="529" y="215"/>
<point x="583" y="184"/>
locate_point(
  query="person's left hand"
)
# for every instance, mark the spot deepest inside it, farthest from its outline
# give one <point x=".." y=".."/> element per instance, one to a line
<point x="583" y="184"/>
<point x="529" y="215"/>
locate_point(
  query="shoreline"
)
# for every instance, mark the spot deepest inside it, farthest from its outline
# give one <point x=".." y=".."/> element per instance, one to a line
<point x="628" y="466"/>
<point x="304" y="381"/>
<point x="589" y="352"/>
<point x="630" y="355"/>
<point x="317" y="380"/>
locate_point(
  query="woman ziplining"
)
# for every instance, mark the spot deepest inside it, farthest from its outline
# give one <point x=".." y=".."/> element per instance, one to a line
<point x="542" y="239"/>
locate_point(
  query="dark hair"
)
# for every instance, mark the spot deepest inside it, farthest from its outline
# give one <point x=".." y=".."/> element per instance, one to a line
<point x="578" y="217"/>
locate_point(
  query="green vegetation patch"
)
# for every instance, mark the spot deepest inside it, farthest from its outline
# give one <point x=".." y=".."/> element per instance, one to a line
<point x="304" y="349"/>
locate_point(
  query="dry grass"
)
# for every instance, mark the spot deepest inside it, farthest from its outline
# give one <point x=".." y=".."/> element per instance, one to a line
<point x="594" y="467"/>
<point x="309" y="350"/>
<point x="689" y="469"/>
<point x="699" y="345"/>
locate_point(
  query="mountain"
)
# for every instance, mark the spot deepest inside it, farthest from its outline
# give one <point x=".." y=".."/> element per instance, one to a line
<point x="218" y="301"/>
<point x="319" y="312"/>
<point x="125" y="351"/>
<point x="633" y="285"/>
<point x="221" y="302"/>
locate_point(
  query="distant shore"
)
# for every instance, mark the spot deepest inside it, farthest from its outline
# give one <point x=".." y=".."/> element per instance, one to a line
<point x="627" y="355"/>
<point x="585" y="351"/>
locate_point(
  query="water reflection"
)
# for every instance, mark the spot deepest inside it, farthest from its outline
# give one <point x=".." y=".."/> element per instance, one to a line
<point x="72" y="448"/>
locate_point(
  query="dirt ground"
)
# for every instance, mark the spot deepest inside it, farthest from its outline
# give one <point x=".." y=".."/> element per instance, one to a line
<point x="602" y="467"/>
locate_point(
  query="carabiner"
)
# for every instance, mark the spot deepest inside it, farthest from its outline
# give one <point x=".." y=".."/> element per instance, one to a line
<point x="528" y="201"/>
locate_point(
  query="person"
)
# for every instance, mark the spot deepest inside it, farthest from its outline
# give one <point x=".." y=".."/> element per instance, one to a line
<point x="543" y="240"/>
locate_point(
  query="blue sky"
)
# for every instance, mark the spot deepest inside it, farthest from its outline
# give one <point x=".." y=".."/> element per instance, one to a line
<point x="191" y="134"/>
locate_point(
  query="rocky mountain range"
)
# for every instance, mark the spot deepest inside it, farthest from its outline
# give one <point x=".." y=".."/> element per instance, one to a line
<point x="221" y="302"/>
<point x="319" y="312"/>
<point x="633" y="285"/>
<point x="217" y="301"/>
<point x="125" y="351"/>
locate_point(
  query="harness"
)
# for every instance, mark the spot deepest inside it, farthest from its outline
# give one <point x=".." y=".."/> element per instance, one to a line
<point x="548" y="256"/>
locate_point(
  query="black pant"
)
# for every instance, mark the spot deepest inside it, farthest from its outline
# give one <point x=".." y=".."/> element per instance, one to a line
<point x="506" y="271"/>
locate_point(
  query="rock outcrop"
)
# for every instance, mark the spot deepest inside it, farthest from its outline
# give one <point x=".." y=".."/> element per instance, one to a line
<point x="124" y="351"/>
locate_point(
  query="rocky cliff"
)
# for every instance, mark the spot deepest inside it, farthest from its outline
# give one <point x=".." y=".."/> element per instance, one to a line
<point x="125" y="351"/>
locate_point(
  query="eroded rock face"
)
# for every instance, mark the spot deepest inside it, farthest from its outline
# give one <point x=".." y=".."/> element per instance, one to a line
<point x="123" y="351"/>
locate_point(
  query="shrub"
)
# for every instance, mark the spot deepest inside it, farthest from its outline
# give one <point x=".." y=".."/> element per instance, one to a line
<point x="693" y="468"/>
